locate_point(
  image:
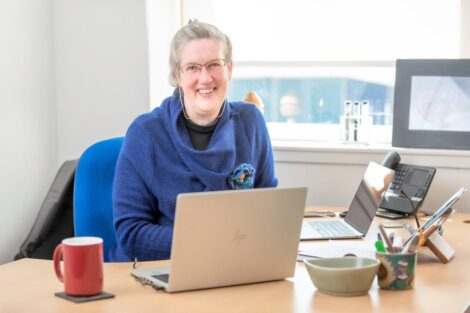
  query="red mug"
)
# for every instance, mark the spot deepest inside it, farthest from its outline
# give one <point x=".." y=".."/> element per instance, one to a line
<point x="82" y="273"/>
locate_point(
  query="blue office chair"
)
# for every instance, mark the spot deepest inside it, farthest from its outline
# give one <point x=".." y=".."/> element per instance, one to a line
<point x="92" y="200"/>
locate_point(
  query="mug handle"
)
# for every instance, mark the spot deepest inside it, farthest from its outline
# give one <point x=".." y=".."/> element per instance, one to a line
<point x="57" y="258"/>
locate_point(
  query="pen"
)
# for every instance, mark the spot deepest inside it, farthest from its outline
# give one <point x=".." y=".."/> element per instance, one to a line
<point x="379" y="245"/>
<point x="319" y="214"/>
<point x="386" y="239"/>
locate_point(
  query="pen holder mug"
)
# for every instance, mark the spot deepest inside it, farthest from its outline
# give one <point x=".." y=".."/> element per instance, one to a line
<point x="82" y="258"/>
<point x="397" y="270"/>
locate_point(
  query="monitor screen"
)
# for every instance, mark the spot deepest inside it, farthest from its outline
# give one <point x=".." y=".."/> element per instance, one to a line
<point x="440" y="103"/>
<point x="432" y="104"/>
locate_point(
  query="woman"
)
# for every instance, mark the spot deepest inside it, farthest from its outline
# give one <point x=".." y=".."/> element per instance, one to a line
<point x="195" y="141"/>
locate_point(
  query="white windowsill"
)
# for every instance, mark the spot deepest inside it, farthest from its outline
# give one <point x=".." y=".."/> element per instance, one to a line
<point x="317" y="152"/>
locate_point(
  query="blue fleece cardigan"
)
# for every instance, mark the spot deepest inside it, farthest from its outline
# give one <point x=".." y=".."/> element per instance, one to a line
<point x="157" y="162"/>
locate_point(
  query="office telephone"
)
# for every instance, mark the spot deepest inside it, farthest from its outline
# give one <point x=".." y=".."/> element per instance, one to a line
<point x="409" y="181"/>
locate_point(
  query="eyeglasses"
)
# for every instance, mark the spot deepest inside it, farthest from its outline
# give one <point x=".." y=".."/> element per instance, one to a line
<point x="213" y="67"/>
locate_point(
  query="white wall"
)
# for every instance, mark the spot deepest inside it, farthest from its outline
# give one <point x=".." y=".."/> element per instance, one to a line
<point x="27" y="117"/>
<point x="97" y="50"/>
<point x="102" y="70"/>
<point x="465" y="28"/>
<point x="162" y="22"/>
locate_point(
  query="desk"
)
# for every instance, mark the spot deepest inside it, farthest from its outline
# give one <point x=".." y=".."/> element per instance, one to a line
<point x="28" y="285"/>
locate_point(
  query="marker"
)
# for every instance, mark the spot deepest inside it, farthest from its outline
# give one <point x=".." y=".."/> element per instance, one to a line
<point x="365" y="108"/>
<point x="347" y="108"/>
<point x="356" y="109"/>
<point x="379" y="245"/>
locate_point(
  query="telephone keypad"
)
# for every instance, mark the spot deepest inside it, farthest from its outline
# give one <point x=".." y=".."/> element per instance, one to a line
<point x="408" y="178"/>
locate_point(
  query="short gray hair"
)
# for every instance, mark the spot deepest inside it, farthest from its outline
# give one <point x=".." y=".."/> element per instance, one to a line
<point x="195" y="30"/>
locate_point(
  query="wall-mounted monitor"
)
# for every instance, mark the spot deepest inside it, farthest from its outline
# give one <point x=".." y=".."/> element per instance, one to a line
<point x="432" y="104"/>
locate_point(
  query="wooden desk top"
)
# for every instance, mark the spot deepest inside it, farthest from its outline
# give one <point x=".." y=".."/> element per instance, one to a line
<point x="29" y="285"/>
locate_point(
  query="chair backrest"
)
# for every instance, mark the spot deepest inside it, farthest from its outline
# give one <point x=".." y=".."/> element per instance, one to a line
<point x="93" y="207"/>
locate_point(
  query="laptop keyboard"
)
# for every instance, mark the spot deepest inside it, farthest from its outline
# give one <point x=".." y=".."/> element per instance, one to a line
<point x="331" y="228"/>
<point x="162" y="277"/>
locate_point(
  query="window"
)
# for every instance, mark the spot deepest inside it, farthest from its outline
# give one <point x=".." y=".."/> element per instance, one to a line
<point x="305" y="101"/>
<point x="305" y="58"/>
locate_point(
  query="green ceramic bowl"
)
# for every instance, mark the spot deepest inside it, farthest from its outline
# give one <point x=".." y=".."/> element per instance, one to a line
<point x="347" y="276"/>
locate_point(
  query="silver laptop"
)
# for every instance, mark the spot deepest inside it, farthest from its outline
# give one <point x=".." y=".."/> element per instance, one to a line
<point x="361" y="211"/>
<point x="225" y="238"/>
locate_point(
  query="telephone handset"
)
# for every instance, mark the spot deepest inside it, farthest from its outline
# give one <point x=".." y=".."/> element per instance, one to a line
<point x="412" y="180"/>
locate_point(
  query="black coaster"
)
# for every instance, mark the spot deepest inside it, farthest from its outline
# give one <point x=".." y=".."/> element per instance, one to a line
<point x="100" y="296"/>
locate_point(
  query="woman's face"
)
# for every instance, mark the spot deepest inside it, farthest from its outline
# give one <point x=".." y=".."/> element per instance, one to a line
<point x="204" y="87"/>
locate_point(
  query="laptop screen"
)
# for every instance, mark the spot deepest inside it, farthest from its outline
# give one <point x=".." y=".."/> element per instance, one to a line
<point x="368" y="196"/>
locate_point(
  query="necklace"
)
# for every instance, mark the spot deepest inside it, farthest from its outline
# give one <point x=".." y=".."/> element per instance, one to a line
<point x="184" y="110"/>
